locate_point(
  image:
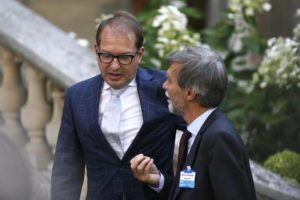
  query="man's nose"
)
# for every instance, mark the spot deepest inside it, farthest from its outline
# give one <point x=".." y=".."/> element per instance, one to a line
<point x="115" y="64"/>
<point x="164" y="85"/>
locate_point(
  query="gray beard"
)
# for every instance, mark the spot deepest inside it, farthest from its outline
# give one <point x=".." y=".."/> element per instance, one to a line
<point x="172" y="109"/>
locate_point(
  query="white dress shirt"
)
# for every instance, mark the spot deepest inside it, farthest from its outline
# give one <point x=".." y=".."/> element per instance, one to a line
<point x="196" y="125"/>
<point x="132" y="118"/>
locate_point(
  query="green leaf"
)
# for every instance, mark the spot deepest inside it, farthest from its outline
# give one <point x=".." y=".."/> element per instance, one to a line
<point x="191" y="12"/>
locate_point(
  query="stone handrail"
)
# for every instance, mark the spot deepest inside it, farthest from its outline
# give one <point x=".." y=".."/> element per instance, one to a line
<point x="270" y="186"/>
<point x="45" y="46"/>
<point x="38" y="62"/>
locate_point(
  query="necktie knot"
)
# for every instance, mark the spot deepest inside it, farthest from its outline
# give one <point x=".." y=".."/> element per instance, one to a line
<point x="116" y="93"/>
<point x="185" y="137"/>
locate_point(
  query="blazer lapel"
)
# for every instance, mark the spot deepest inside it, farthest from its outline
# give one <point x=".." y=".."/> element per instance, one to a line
<point x="95" y="92"/>
<point x="193" y="152"/>
<point x="146" y="93"/>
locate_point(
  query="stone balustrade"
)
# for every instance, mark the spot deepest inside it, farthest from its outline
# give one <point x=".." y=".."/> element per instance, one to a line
<point x="38" y="62"/>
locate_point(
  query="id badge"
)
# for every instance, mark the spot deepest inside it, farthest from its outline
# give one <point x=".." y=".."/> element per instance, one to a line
<point x="187" y="178"/>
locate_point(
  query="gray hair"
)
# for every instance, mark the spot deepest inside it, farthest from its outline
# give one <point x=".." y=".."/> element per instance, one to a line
<point x="204" y="71"/>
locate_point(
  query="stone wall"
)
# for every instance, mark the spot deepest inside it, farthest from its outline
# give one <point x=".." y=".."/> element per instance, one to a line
<point x="76" y="15"/>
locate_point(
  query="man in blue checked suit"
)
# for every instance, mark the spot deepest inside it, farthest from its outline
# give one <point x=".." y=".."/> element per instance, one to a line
<point x="96" y="135"/>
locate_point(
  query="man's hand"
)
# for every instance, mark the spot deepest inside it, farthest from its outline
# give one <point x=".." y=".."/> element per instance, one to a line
<point x="145" y="170"/>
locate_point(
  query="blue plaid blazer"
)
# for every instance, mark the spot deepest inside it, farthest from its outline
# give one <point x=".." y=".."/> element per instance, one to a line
<point x="81" y="143"/>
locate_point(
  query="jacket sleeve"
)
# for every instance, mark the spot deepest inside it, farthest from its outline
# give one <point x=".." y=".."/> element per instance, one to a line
<point x="229" y="170"/>
<point x="68" y="167"/>
<point x="164" y="193"/>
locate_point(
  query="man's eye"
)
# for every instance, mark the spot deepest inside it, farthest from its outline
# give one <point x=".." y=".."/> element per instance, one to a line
<point x="105" y="55"/>
<point x="124" y="57"/>
<point x="168" y="80"/>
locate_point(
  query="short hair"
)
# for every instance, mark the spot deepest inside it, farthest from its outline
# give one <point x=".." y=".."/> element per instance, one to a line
<point x="126" y="21"/>
<point x="204" y="71"/>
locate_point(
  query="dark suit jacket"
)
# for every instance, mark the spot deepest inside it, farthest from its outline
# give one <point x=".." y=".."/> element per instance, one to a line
<point x="81" y="142"/>
<point x="221" y="163"/>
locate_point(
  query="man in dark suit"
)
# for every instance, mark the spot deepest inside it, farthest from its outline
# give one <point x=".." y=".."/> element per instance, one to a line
<point x="111" y="117"/>
<point x="217" y="165"/>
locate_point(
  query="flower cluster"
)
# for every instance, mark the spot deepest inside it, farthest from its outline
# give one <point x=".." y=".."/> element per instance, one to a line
<point x="241" y="9"/>
<point x="241" y="15"/>
<point x="281" y="64"/>
<point x="249" y="7"/>
<point x="172" y="32"/>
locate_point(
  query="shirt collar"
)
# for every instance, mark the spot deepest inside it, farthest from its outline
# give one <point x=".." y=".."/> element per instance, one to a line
<point x="132" y="83"/>
<point x="196" y="125"/>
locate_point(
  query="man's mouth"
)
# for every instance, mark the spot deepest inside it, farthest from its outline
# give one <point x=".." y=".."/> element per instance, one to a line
<point x="114" y="75"/>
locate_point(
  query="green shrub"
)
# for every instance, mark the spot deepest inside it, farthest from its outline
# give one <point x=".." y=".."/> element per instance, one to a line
<point x="285" y="163"/>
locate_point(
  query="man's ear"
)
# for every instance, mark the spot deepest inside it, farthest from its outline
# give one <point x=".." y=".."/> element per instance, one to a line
<point x="141" y="54"/>
<point x="96" y="50"/>
<point x="96" y="47"/>
<point x="190" y="94"/>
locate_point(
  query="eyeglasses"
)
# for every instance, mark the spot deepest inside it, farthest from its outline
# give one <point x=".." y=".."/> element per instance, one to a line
<point x="123" y="59"/>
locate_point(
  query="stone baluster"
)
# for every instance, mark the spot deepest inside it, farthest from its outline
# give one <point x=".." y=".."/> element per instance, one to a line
<point x="34" y="117"/>
<point x="52" y="127"/>
<point x="12" y="97"/>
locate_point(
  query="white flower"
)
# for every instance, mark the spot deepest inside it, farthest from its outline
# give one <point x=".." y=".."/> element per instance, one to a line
<point x="230" y="16"/>
<point x="72" y="35"/>
<point x="267" y="7"/>
<point x="155" y="62"/>
<point x="298" y="12"/>
<point x="83" y="42"/>
<point x="235" y="43"/>
<point x="172" y="33"/>
<point x="290" y="43"/>
<point x="158" y="20"/>
<point x="173" y="42"/>
<point x="178" y="25"/>
<point x="249" y="12"/>
<point x="263" y="84"/>
<point x="271" y="41"/>
<point x="174" y="10"/>
<point x="178" y="4"/>
<point x="162" y="39"/>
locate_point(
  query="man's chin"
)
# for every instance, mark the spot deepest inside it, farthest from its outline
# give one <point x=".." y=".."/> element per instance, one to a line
<point x="171" y="108"/>
<point x="116" y="84"/>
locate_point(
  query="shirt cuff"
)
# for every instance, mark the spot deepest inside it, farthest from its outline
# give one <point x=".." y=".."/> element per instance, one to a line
<point x="161" y="184"/>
